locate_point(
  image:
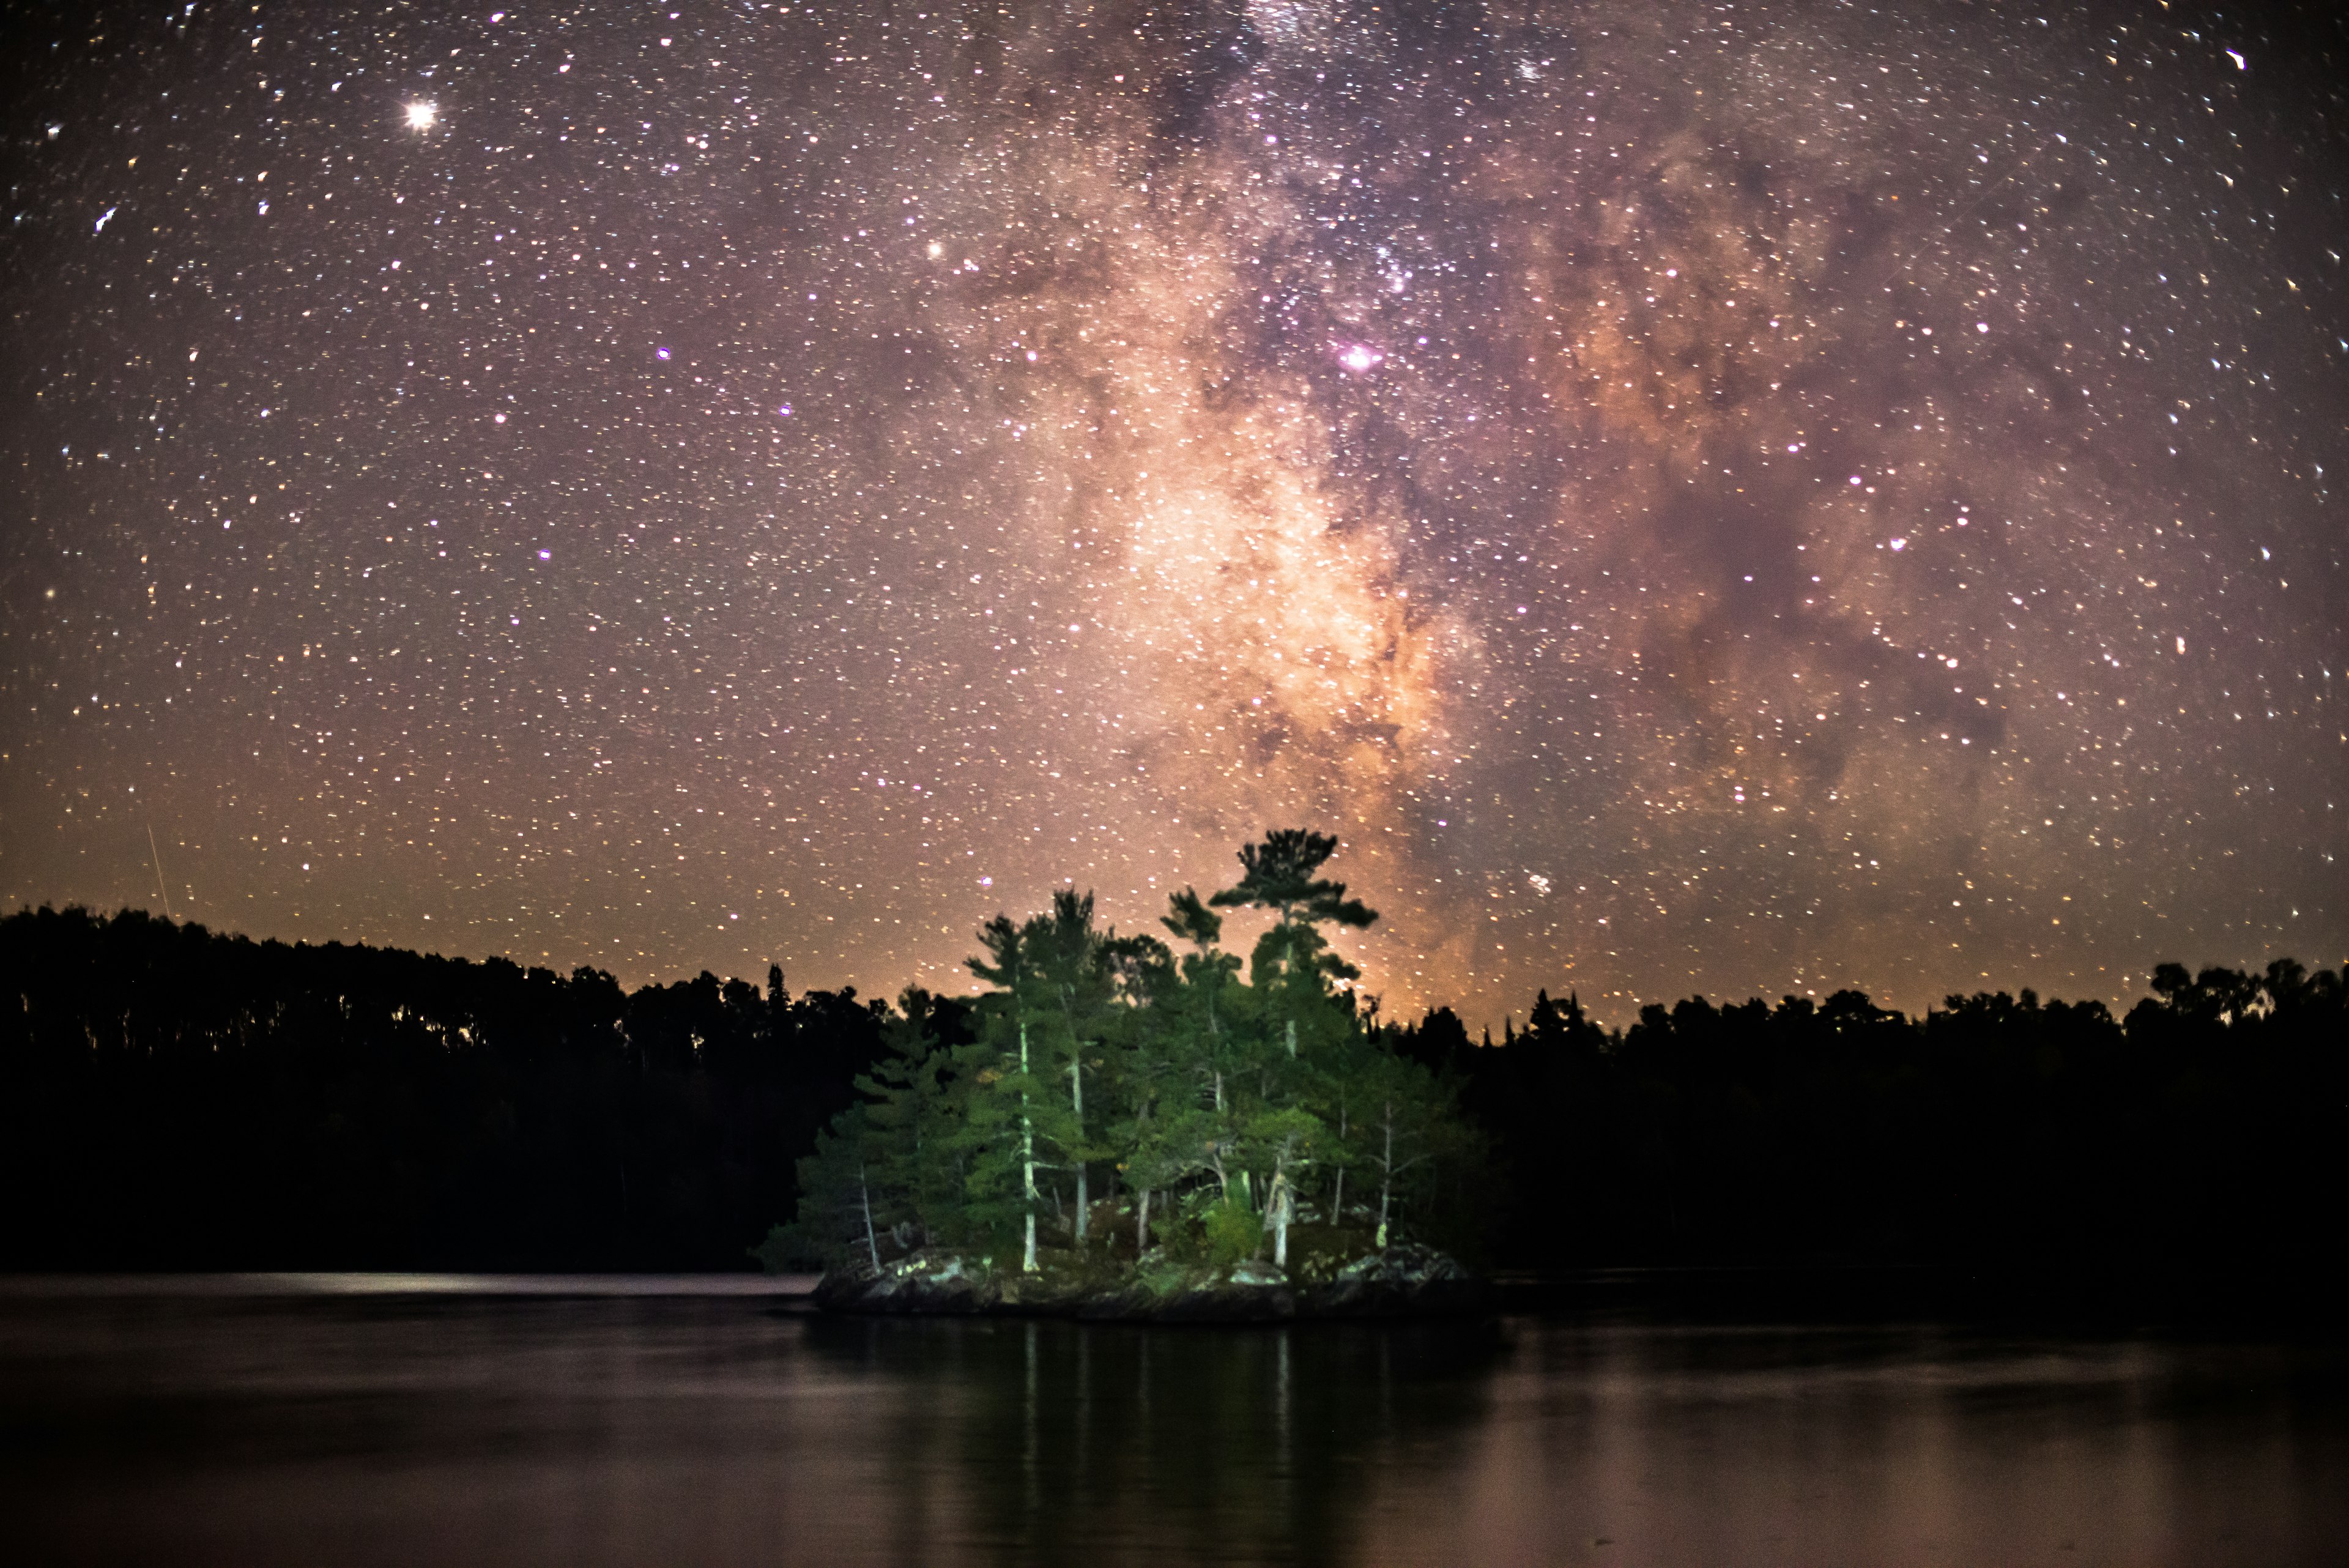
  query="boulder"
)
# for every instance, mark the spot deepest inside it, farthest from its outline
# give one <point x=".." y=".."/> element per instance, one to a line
<point x="1227" y="1302"/>
<point x="924" y="1281"/>
<point x="1401" y="1280"/>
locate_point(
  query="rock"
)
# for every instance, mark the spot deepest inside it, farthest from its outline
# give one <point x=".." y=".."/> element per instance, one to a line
<point x="1133" y="1303"/>
<point x="922" y="1282"/>
<point x="1404" y="1280"/>
<point x="1228" y="1303"/>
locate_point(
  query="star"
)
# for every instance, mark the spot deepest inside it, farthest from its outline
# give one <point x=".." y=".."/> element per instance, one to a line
<point x="1735" y="386"/>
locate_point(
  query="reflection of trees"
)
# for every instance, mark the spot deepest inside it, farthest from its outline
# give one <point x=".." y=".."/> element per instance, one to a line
<point x="1081" y="1443"/>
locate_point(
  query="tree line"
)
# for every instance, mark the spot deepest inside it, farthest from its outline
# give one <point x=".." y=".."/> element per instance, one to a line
<point x="2205" y="1132"/>
<point x="171" y="1097"/>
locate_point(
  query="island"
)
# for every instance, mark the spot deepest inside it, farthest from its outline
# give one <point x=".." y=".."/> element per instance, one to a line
<point x="1114" y="1130"/>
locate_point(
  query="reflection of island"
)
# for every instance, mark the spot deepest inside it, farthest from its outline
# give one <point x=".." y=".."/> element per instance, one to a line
<point x="1067" y="1442"/>
<point x="1111" y="1132"/>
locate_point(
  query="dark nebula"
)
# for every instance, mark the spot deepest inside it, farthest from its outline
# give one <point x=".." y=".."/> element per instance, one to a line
<point x="1728" y="498"/>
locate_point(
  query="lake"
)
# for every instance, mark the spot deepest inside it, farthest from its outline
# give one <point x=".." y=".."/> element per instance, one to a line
<point x="361" y="1420"/>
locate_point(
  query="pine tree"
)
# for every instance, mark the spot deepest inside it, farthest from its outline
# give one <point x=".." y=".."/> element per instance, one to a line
<point x="1293" y="965"/>
<point x="1204" y="1046"/>
<point x="1000" y="1099"/>
<point x="839" y="1217"/>
<point x="909" y="1116"/>
<point x="1073" y="964"/>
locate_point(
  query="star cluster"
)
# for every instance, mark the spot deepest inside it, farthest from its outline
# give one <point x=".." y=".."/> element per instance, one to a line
<point x="1700" y="497"/>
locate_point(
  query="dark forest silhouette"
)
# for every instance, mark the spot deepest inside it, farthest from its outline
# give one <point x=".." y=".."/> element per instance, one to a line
<point x="2203" y="1133"/>
<point x="174" y="1099"/>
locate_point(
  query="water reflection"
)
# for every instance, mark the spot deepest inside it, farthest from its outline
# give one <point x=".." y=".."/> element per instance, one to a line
<point x="210" y="1425"/>
<point x="1074" y="1443"/>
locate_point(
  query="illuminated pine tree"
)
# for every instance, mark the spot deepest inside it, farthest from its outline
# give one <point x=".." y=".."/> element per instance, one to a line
<point x="910" y="1117"/>
<point x="1001" y="1089"/>
<point x="1073" y="965"/>
<point x="1293" y="966"/>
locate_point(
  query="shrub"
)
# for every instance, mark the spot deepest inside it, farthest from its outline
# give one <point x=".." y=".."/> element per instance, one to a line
<point x="1231" y="1234"/>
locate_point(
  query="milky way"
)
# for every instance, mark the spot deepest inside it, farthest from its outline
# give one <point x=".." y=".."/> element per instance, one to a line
<point x="1724" y="498"/>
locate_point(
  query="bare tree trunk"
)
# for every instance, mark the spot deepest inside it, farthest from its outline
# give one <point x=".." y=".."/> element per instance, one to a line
<point x="1026" y="1159"/>
<point x="1292" y="1039"/>
<point x="864" y="1197"/>
<point x="1337" y="1204"/>
<point x="1279" y="1205"/>
<point x="1386" y="1176"/>
<point x="1142" y="1226"/>
<point x="1077" y="1095"/>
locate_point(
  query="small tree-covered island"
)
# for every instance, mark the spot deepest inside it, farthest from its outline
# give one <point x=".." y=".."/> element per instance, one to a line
<point x="1122" y="1127"/>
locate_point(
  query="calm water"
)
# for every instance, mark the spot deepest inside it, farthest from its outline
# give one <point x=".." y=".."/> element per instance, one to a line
<point x="354" y="1421"/>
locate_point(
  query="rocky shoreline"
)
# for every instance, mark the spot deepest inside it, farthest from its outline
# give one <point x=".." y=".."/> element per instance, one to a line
<point x="1400" y="1282"/>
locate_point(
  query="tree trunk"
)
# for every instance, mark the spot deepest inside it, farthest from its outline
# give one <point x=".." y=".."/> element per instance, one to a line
<point x="1338" y="1203"/>
<point x="864" y="1197"/>
<point x="1386" y="1177"/>
<point x="1141" y="1227"/>
<point x="1077" y="1095"/>
<point x="1026" y="1159"/>
<point x="1292" y="1039"/>
<point x="1279" y="1205"/>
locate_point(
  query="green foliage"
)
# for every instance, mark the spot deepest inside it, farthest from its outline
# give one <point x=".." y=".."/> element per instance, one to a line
<point x="909" y="1118"/>
<point x="1230" y="1235"/>
<point x="842" y="1205"/>
<point x="1278" y="874"/>
<point x="785" y="1251"/>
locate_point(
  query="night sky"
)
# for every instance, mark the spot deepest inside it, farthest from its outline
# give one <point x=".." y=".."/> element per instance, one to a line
<point x="1726" y="498"/>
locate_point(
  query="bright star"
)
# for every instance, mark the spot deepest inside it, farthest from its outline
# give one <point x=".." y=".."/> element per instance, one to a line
<point x="420" y="116"/>
<point x="1358" y="357"/>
